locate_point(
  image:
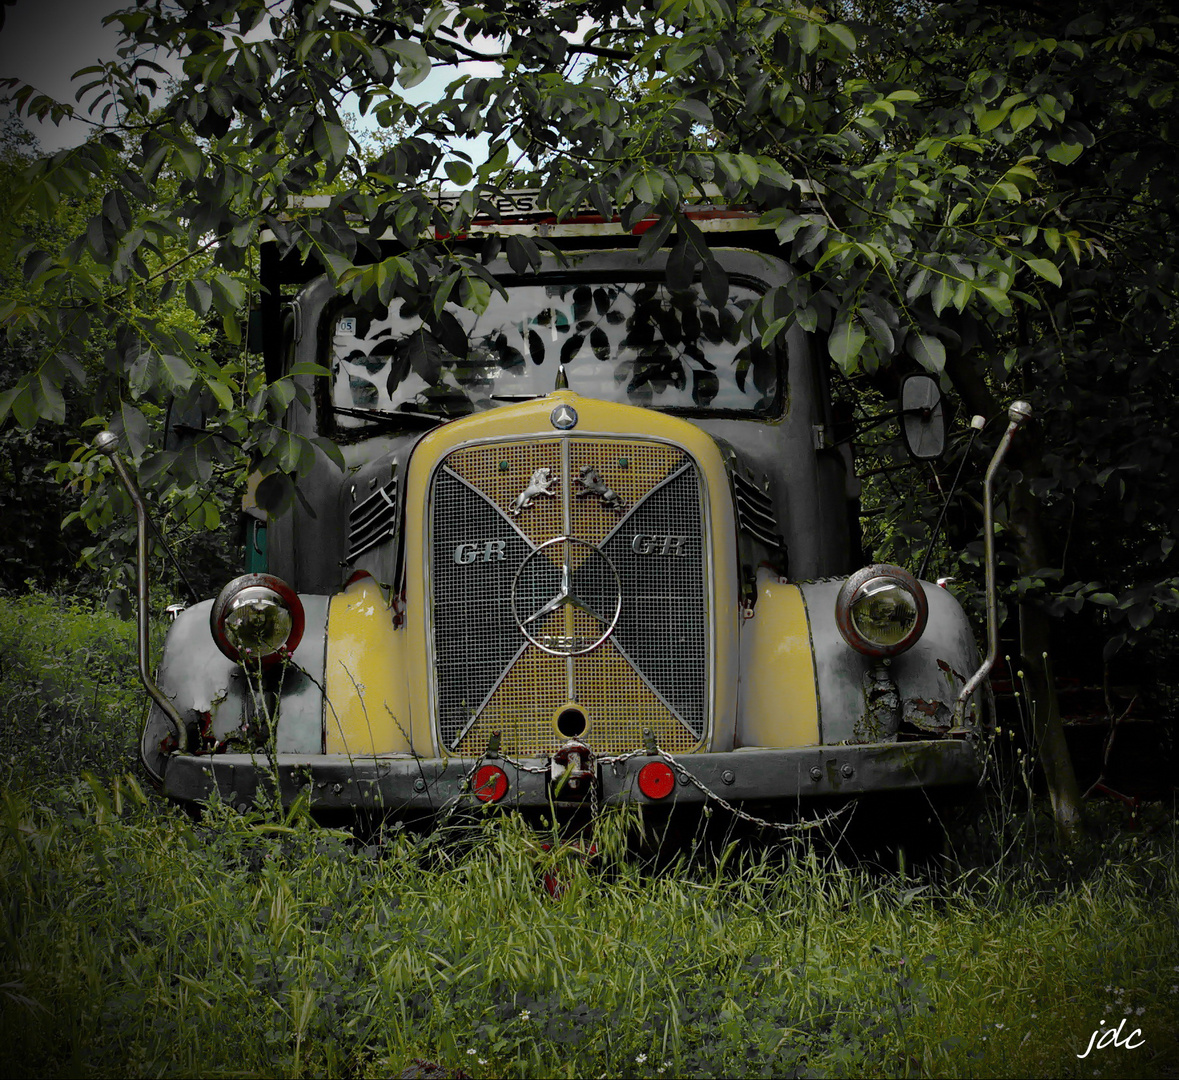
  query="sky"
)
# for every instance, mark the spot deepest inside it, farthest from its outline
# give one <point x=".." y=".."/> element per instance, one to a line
<point x="43" y="42"/>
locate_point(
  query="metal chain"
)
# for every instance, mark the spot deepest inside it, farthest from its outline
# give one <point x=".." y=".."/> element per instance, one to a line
<point x="522" y="767"/>
<point x="678" y="768"/>
<point x="780" y="826"/>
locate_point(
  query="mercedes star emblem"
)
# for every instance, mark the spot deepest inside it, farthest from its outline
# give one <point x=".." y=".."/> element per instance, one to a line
<point x="589" y="585"/>
<point x="564" y="417"/>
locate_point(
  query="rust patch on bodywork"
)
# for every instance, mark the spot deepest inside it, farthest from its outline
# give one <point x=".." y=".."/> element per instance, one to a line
<point x="930" y="717"/>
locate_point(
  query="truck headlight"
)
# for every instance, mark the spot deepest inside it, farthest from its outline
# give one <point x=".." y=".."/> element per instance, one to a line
<point x="257" y="618"/>
<point x="881" y="610"/>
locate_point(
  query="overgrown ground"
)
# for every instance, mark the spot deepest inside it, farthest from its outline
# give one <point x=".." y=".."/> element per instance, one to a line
<point x="136" y="941"/>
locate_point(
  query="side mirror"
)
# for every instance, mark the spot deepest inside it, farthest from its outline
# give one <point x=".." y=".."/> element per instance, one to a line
<point x="923" y="421"/>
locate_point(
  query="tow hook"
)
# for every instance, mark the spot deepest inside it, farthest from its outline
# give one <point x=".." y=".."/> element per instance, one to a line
<point x="572" y="768"/>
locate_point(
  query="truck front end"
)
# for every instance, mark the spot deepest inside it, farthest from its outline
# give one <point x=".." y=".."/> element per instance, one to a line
<point x="595" y="551"/>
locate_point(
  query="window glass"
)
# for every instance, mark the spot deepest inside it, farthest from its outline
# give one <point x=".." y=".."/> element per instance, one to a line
<point x="630" y="341"/>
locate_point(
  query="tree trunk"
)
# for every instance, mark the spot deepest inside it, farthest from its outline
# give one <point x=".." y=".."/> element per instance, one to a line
<point x="1035" y="643"/>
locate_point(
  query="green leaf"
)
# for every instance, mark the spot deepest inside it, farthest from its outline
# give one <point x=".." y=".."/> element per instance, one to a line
<point x="475" y="294"/>
<point x="1142" y="615"/>
<point x="840" y="33"/>
<point x="459" y="172"/>
<point x="928" y="351"/>
<point x="330" y="450"/>
<point x="188" y="160"/>
<point x="991" y="119"/>
<point x="415" y="62"/>
<point x="696" y="109"/>
<point x="178" y="370"/>
<point x="1022" y="117"/>
<point x="997" y="298"/>
<point x="279" y="396"/>
<point x="199" y="295"/>
<point x="220" y="392"/>
<point x="808" y="37"/>
<point x="943" y="294"/>
<point x="844" y="344"/>
<point x="1045" y="269"/>
<point x="135" y="429"/>
<point x="773" y="330"/>
<point x="228" y="294"/>
<point x="1065" y="153"/>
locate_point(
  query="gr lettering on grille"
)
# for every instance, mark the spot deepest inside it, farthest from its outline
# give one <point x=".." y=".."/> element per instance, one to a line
<point x="659" y="544"/>
<point x="470" y="551"/>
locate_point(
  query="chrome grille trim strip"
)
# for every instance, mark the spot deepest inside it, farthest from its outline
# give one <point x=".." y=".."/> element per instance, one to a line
<point x="639" y="502"/>
<point x="498" y="509"/>
<point x="490" y="694"/>
<point x="698" y="736"/>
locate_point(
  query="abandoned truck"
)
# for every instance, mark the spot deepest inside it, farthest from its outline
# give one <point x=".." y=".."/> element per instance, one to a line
<point x="602" y="556"/>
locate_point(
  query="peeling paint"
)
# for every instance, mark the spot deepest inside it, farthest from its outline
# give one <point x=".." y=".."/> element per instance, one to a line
<point x="881" y="717"/>
<point x="931" y="716"/>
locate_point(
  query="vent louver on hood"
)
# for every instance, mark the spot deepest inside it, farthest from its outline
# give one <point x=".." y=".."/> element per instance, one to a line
<point x="755" y="512"/>
<point x="373" y="521"/>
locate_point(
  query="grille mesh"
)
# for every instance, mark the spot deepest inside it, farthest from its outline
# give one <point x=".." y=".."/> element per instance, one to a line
<point x="653" y="672"/>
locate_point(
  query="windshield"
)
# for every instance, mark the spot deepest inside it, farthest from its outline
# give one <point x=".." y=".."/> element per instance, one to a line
<point x="633" y="341"/>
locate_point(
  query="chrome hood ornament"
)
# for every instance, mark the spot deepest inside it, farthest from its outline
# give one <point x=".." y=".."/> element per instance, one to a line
<point x="542" y="483"/>
<point x="592" y="484"/>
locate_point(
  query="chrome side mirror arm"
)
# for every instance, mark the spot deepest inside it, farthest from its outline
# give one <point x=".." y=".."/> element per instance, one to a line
<point x="1018" y="414"/>
<point x="108" y="443"/>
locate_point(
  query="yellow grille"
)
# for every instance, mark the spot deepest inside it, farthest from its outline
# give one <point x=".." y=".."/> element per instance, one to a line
<point x="503" y="471"/>
<point x="630" y="469"/>
<point x="521" y="695"/>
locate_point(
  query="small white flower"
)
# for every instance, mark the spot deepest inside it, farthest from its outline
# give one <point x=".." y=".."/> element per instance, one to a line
<point x="1140" y="1010"/>
<point x="471" y="1052"/>
<point x="526" y="1014"/>
<point x="483" y="1061"/>
<point x="999" y="1026"/>
<point x="640" y="1058"/>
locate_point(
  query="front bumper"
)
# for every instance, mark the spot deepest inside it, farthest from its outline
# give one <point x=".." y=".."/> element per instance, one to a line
<point x="408" y="786"/>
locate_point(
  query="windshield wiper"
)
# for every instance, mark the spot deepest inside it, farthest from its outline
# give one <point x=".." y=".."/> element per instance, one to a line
<point x="391" y="419"/>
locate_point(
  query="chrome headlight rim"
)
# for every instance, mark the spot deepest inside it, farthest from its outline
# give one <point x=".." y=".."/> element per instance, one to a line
<point x="259" y="588"/>
<point x="860" y="585"/>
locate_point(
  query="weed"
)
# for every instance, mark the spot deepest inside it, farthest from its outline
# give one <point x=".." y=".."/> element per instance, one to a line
<point x="136" y="941"/>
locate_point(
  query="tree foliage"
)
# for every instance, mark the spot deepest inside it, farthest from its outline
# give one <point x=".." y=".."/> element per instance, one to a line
<point x="983" y="191"/>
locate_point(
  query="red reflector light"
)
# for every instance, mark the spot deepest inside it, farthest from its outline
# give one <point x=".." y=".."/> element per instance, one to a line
<point x="491" y="784"/>
<point x="656" y="780"/>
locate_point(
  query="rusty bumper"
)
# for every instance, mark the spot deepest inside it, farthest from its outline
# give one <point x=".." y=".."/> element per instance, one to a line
<point x="402" y="785"/>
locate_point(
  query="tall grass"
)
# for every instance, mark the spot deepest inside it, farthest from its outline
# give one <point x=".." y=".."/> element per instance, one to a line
<point x="138" y="941"/>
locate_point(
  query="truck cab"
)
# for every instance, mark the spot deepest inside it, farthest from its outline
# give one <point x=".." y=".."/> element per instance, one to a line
<point x="591" y="546"/>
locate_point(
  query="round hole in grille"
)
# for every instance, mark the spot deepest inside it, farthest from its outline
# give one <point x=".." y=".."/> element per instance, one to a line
<point x="572" y="722"/>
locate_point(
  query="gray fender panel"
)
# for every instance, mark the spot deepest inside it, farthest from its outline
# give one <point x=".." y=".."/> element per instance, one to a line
<point x="927" y="690"/>
<point x="199" y="679"/>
